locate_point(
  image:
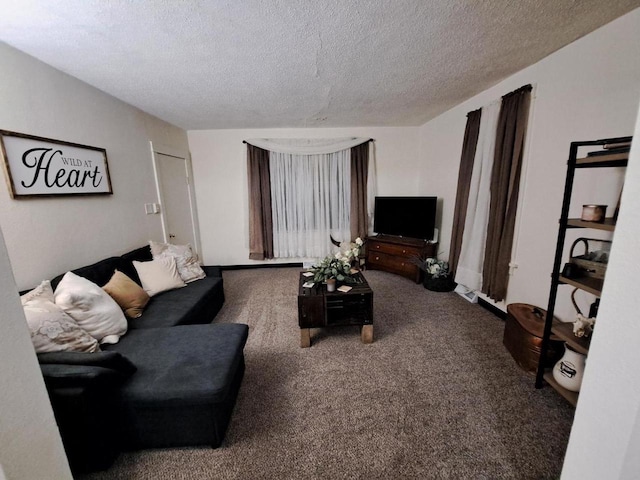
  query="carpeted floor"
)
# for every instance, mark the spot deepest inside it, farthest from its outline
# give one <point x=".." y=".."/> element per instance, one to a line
<point x="435" y="396"/>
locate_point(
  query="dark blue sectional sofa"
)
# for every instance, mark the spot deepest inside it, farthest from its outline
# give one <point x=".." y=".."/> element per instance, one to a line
<point x="171" y="381"/>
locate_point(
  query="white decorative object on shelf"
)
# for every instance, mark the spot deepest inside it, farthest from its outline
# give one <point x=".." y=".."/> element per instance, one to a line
<point x="569" y="370"/>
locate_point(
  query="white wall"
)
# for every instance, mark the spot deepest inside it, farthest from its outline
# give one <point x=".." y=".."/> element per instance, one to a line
<point x="605" y="439"/>
<point x="30" y="445"/>
<point x="220" y="175"/>
<point x="585" y="91"/>
<point x="46" y="237"/>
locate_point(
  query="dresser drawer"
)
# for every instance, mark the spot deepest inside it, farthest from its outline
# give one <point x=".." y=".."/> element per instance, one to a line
<point x="393" y="264"/>
<point x="393" y="249"/>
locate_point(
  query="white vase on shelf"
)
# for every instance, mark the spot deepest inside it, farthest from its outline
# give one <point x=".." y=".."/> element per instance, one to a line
<point x="568" y="371"/>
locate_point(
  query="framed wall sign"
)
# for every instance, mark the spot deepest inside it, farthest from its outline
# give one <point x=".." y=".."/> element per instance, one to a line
<point x="36" y="166"/>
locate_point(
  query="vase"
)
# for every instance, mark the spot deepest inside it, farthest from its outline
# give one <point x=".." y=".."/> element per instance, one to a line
<point x="331" y="284"/>
<point x="438" y="284"/>
<point x="568" y="371"/>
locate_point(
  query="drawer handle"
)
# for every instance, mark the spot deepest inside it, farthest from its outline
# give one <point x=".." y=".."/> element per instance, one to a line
<point x="402" y="264"/>
<point x="377" y="258"/>
<point x="404" y="251"/>
<point x="377" y="246"/>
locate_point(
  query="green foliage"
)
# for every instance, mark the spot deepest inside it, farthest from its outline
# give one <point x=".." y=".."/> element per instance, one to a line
<point x="432" y="266"/>
<point x="332" y="267"/>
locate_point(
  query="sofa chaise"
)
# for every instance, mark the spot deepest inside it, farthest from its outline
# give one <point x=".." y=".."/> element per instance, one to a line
<point x="172" y="379"/>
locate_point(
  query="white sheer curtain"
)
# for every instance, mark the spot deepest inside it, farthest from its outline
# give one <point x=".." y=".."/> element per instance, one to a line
<point x="311" y="198"/>
<point x="469" y="271"/>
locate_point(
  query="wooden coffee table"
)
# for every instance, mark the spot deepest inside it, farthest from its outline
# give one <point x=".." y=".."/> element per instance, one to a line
<point x="318" y="308"/>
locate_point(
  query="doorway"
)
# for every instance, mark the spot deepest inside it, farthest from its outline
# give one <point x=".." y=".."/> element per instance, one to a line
<point x="175" y="193"/>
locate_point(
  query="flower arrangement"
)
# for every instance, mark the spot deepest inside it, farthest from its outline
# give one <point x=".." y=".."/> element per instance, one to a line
<point x="437" y="275"/>
<point x="436" y="268"/>
<point x="350" y="251"/>
<point x="333" y="266"/>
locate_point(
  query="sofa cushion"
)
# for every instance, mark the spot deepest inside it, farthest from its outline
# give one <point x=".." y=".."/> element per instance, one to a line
<point x="181" y="366"/>
<point x="186" y="260"/>
<point x="51" y="329"/>
<point x="159" y="275"/>
<point x="91" y="307"/>
<point x="142" y="254"/>
<point x="99" y="273"/>
<point x="127" y="293"/>
<point x="198" y="302"/>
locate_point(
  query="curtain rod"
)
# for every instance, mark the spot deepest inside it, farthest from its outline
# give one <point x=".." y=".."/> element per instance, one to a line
<point x="370" y="140"/>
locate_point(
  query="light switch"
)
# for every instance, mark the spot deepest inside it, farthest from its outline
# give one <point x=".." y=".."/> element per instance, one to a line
<point x="156" y="208"/>
<point x="148" y="208"/>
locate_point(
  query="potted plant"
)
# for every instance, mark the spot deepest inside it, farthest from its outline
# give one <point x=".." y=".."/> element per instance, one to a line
<point x="333" y="267"/>
<point x="437" y="277"/>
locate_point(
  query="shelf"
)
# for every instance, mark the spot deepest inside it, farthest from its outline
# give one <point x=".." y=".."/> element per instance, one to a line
<point x="565" y="332"/>
<point x="571" y="397"/>
<point x="611" y="160"/>
<point x="588" y="284"/>
<point x="609" y="224"/>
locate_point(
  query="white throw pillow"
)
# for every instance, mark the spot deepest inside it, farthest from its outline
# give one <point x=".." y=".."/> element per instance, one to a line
<point x="91" y="307"/>
<point x="158" y="275"/>
<point x="186" y="260"/>
<point x="51" y="329"/>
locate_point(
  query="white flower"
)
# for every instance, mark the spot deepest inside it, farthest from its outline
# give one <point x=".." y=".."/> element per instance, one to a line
<point x="359" y="242"/>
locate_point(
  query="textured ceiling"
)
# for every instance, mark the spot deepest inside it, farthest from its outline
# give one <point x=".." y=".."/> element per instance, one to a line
<point x="296" y="63"/>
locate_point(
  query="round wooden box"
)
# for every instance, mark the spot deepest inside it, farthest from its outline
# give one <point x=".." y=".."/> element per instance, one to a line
<point x="523" y="332"/>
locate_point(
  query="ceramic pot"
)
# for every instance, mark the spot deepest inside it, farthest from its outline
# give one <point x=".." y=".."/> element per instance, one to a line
<point x="569" y="370"/>
<point x="331" y="285"/>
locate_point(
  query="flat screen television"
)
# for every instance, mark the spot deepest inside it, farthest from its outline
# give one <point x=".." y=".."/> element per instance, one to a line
<point x="413" y="217"/>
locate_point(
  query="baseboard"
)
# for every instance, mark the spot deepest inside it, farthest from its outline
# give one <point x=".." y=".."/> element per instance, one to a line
<point x="493" y="309"/>
<point x="261" y="265"/>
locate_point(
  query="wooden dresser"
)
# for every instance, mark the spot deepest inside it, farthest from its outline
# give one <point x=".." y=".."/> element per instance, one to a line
<point x="395" y="254"/>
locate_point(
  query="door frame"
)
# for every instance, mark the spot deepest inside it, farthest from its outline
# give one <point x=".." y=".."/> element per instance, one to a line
<point x="158" y="148"/>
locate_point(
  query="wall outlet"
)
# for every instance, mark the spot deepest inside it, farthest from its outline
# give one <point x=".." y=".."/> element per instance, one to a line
<point x="151" y="208"/>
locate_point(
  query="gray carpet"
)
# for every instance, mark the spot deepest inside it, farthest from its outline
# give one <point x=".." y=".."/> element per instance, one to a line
<point x="435" y="396"/>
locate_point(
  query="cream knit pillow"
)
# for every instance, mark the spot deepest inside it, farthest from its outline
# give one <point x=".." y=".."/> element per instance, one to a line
<point x="159" y="275"/>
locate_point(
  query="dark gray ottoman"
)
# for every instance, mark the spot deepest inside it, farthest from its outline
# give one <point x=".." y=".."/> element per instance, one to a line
<point x="185" y="387"/>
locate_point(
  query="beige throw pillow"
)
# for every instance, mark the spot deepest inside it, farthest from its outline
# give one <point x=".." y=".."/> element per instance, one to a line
<point x="186" y="260"/>
<point x="51" y="329"/>
<point x="91" y="307"/>
<point x="127" y="293"/>
<point x="158" y="275"/>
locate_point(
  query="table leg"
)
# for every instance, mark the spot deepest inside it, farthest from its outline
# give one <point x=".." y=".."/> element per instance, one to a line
<point x="367" y="334"/>
<point x="305" y="337"/>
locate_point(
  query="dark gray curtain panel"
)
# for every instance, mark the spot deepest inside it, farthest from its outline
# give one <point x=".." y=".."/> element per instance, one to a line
<point x="260" y="219"/>
<point x="464" y="180"/>
<point x="359" y="214"/>
<point x="505" y="184"/>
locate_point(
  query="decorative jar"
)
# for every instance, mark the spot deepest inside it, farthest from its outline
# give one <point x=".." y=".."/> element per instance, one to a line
<point x="569" y="370"/>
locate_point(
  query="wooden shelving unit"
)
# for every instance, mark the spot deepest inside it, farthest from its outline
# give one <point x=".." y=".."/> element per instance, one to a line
<point x="571" y="397"/>
<point x="565" y="332"/>
<point x="588" y="284"/>
<point x="609" y="224"/>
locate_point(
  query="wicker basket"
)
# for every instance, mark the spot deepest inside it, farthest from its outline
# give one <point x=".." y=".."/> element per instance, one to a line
<point x="593" y="263"/>
<point x="440" y="284"/>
